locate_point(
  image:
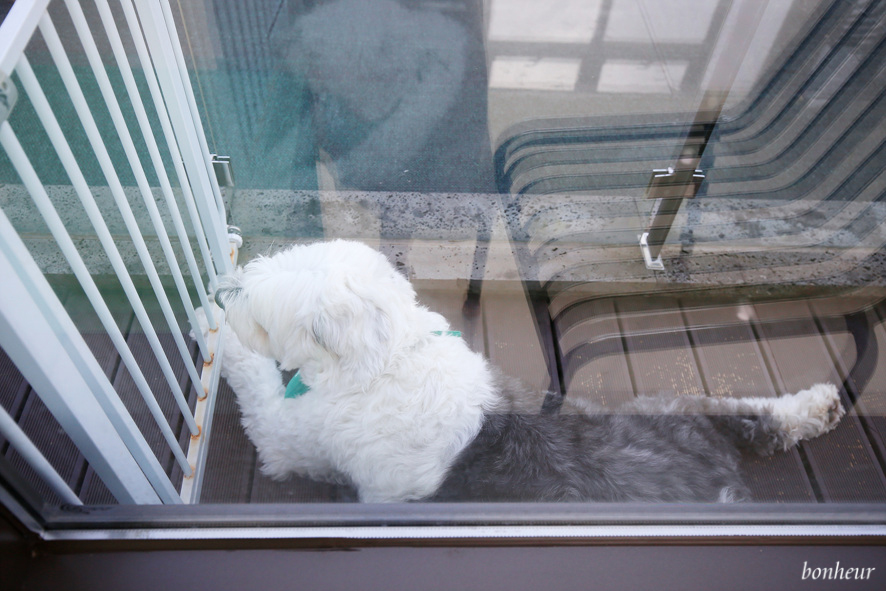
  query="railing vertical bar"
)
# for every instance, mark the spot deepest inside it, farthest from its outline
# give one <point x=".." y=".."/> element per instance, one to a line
<point x="160" y="169"/>
<point x="198" y="450"/>
<point x="157" y="96"/>
<point x="166" y="75"/>
<point x="18" y="28"/>
<point x="176" y="90"/>
<point x="98" y="384"/>
<point x="172" y="144"/>
<point x="67" y="247"/>
<point x="104" y="83"/>
<point x="171" y="29"/>
<point x="81" y="106"/>
<point x="32" y="455"/>
<point x="66" y="155"/>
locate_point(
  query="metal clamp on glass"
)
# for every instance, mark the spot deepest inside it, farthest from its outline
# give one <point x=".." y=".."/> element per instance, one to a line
<point x="668" y="186"/>
<point x="654" y="264"/>
<point x="224" y="172"/>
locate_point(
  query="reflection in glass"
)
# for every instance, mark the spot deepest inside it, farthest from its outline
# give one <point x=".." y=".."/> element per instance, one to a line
<point x="394" y="101"/>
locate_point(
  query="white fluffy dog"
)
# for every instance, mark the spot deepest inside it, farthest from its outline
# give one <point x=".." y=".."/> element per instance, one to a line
<point x="391" y="403"/>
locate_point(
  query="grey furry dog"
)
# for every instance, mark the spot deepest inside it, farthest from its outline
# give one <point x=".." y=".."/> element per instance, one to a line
<point x="657" y="449"/>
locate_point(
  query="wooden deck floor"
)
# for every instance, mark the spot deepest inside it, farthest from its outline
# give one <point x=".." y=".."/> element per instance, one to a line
<point x="24" y="405"/>
<point x="843" y="466"/>
<point x="619" y="348"/>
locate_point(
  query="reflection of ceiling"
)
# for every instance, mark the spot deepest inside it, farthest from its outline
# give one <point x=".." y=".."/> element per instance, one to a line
<point x="641" y="77"/>
<point x="672" y="21"/>
<point x="610" y="46"/>
<point x="553" y="21"/>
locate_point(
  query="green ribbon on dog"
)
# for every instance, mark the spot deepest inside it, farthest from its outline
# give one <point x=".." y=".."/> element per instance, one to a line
<point x="448" y="333"/>
<point x="296" y="387"/>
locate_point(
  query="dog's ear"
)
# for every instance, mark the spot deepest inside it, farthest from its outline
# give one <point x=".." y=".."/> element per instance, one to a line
<point x="247" y="309"/>
<point x="355" y="327"/>
<point x="328" y="302"/>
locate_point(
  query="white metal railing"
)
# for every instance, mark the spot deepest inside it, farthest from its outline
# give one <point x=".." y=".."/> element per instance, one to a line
<point x="35" y="330"/>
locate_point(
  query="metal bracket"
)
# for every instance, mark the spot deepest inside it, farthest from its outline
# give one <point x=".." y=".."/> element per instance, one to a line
<point x="669" y="187"/>
<point x="652" y="264"/>
<point x="8" y="96"/>
<point x="224" y="172"/>
<point x="674" y="183"/>
<point x="235" y="240"/>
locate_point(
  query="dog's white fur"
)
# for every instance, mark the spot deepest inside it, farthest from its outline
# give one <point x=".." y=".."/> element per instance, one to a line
<point x="391" y="404"/>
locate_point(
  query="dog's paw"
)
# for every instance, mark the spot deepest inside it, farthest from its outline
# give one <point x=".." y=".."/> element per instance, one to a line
<point x="203" y="321"/>
<point x="810" y="413"/>
<point x="823" y="406"/>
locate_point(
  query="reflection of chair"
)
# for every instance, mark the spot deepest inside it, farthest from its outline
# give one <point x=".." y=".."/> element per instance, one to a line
<point x="785" y="119"/>
<point x="756" y="292"/>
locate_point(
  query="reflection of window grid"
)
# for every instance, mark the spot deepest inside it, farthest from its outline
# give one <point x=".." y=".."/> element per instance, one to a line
<point x="533" y="73"/>
<point x="595" y="54"/>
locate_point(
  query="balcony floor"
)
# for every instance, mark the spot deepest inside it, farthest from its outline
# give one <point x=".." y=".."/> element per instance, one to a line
<point x="815" y="345"/>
